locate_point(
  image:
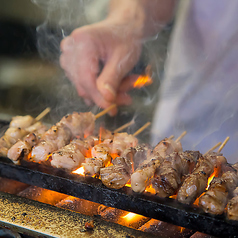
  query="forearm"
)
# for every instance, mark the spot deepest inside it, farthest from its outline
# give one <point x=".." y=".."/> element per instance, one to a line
<point x="145" y="17"/>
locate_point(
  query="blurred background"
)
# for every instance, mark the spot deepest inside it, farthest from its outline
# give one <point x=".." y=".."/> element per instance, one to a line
<point x="30" y="76"/>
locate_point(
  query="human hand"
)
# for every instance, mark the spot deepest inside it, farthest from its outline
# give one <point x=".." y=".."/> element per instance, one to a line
<point x="112" y="44"/>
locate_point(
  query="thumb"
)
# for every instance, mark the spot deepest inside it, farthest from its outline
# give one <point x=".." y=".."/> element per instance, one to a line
<point x="110" y="78"/>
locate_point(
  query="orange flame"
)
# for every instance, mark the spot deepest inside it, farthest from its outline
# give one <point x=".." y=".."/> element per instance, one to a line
<point x="150" y="189"/>
<point x="132" y="217"/>
<point x="88" y="153"/>
<point x="143" y="80"/>
<point x="214" y="174"/>
<point x="128" y="185"/>
<point x="80" y="171"/>
<point x="181" y="229"/>
<point x="114" y="155"/>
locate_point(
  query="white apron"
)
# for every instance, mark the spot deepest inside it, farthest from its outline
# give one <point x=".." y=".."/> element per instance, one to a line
<point x="199" y="92"/>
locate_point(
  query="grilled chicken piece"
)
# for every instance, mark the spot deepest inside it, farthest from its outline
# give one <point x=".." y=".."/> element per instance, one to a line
<point x="22" y="148"/>
<point x="215" y="198"/>
<point x="102" y="151"/>
<point x="141" y="153"/>
<point x="42" y="150"/>
<point x="55" y="138"/>
<point x="91" y="141"/>
<point x="129" y="139"/>
<point x="141" y="177"/>
<point x="195" y="184"/>
<point x="18" y="128"/>
<point x="167" y="147"/>
<point x="232" y="206"/>
<point x="168" y="177"/>
<point x="122" y="141"/>
<point x="80" y="124"/>
<point x="22" y="121"/>
<point x="38" y="128"/>
<point x="4" y="146"/>
<point x="117" y="175"/>
<point x="92" y="166"/>
<point x="101" y="157"/>
<point x="105" y="134"/>
<point x="70" y="156"/>
<point x="12" y="135"/>
<point x="59" y="134"/>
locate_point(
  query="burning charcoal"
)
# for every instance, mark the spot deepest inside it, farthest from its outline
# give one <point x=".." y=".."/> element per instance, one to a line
<point x="201" y="235"/>
<point x="11" y="186"/>
<point x="79" y="205"/>
<point x="121" y="217"/>
<point x="164" y="229"/>
<point x="42" y="195"/>
<point x="110" y="214"/>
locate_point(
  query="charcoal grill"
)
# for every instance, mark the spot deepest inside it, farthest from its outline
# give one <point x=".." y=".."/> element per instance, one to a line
<point x="92" y="189"/>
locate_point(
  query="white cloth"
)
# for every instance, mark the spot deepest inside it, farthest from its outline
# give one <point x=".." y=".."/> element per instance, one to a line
<point x="199" y="92"/>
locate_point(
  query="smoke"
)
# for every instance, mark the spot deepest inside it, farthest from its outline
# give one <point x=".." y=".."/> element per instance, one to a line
<point x="62" y="16"/>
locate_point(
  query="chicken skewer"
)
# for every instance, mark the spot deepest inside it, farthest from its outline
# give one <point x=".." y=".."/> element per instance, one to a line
<point x="70" y="126"/>
<point x="169" y="176"/>
<point x="195" y="183"/>
<point x="19" y="127"/>
<point x="71" y="157"/>
<point x="141" y="177"/>
<point x="216" y="197"/>
<point x="101" y="154"/>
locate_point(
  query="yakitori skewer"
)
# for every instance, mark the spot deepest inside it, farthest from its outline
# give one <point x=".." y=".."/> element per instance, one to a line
<point x="213" y="148"/>
<point x="223" y="144"/>
<point x="196" y="182"/>
<point x="142" y="129"/>
<point x="105" y="111"/>
<point x="181" y="136"/>
<point x="124" y="126"/>
<point x="42" y="114"/>
<point x="21" y="126"/>
<point x="171" y="137"/>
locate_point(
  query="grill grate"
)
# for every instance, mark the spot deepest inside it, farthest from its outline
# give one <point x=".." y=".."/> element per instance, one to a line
<point x="92" y="189"/>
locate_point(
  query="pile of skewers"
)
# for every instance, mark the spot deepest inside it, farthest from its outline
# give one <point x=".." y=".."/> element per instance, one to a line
<point x="118" y="160"/>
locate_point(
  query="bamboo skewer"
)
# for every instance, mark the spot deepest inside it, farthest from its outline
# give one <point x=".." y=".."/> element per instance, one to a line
<point x="223" y="144"/>
<point x="181" y="136"/>
<point x="42" y="114"/>
<point x="105" y="111"/>
<point x="171" y="137"/>
<point x="213" y="148"/>
<point x="124" y="126"/>
<point x="141" y="129"/>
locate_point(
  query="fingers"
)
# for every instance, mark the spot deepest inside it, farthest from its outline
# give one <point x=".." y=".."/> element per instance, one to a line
<point x="115" y="69"/>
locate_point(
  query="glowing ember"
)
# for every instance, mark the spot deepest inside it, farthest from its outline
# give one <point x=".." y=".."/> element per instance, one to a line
<point x="80" y="171"/>
<point x="173" y="196"/>
<point x="143" y="80"/>
<point x="151" y="190"/>
<point x="181" y="229"/>
<point x="132" y="217"/>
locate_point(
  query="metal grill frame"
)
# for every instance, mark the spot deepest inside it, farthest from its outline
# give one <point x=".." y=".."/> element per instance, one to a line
<point x="92" y="189"/>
